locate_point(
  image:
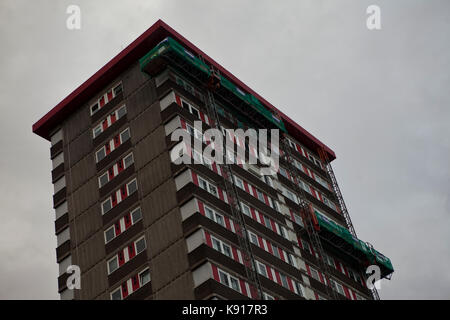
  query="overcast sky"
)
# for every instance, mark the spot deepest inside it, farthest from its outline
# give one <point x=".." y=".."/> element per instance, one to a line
<point x="380" y="99"/>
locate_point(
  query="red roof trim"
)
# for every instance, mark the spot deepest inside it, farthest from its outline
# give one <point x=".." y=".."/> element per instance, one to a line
<point x="131" y="54"/>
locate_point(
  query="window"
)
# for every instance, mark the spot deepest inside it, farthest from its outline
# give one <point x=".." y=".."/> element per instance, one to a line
<point x="314" y="273"/>
<point x="299" y="288"/>
<point x="284" y="281"/>
<point x="291" y="196"/>
<point x="97" y="130"/>
<point x="106" y="205"/>
<point x="117" y="90"/>
<point x="140" y="245"/>
<point x="339" y="288"/>
<point x="305" y="186"/>
<point x="211" y="214"/>
<point x="104" y="179"/>
<point x="234" y="283"/>
<point x="191" y="108"/>
<point x="283" y="172"/>
<point x="125" y="135"/>
<point x="283" y="232"/>
<point x="219" y="219"/>
<point x="121" y="112"/>
<point x="298" y="165"/>
<point x="246" y="209"/>
<point x="292" y="260"/>
<point x="268" y="180"/>
<point x="267" y="296"/>
<point x="136" y="215"/>
<point x="144" y="277"/>
<point x="100" y="154"/>
<point x="94" y="108"/>
<point x="276" y="253"/>
<point x="260" y="195"/>
<point x="261" y="269"/>
<point x="110" y="234"/>
<point x="213" y="190"/>
<point x="267" y="222"/>
<point x="229" y="280"/>
<point x="132" y="187"/>
<point x="221" y="247"/>
<point x="116" y="294"/>
<point x="205" y="185"/>
<point x="274" y="204"/>
<point x="238" y="182"/>
<point x="113" y="265"/>
<point x="253" y="238"/>
<point x="128" y="160"/>
<point x="298" y="219"/>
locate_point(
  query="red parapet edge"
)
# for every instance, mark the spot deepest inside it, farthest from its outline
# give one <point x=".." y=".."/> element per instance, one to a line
<point x="138" y="48"/>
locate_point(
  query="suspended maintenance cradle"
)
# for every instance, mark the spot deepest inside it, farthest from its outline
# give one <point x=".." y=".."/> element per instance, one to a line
<point x="331" y="235"/>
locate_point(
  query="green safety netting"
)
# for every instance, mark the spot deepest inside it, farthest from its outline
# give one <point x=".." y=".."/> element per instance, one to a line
<point x="170" y="44"/>
<point x="372" y="254"/>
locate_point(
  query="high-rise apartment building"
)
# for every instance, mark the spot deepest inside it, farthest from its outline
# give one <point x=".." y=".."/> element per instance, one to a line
<point x="140" y="226"/>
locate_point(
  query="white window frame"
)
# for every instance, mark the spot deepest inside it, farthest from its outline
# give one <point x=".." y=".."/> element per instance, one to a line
<point x="129" y="135"/>
<point x="267" y="296"/>
<point x="260" y="265"/>
<point x="108" y="199"/>
<point x="221" y="247"/>
<point x="135" y="244"/>
<point x="239" y="182"/>
<point x="128" y="189"/>
<point x="114" y="291"/>
<point x="117" y="262"/>
<point x="215" y="214"/>
<point x="284" y="283"/>
<point x="209" y="186"/>
<point x="131" y="215"/>
<point x="259" y="192"/>
<point x="127" y="156"/>
<point x="190" y="107"/>
<point x="252" y="235"/>
<point x="114" y="231"/>
<point x="140" y="274"/>
<point x="243" y="205"/>
<point x="97" y="152"/>
<point x="314" y="274"/>
<point x="228" y="278"/>
<point x="100" y="185"/>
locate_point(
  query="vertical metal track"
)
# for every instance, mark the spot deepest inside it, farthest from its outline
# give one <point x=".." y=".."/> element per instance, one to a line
<point x="233" y="198"/>
<point x="340" y="199"/>
<point x="307" y="214"/>
<point x="337" y="191"/>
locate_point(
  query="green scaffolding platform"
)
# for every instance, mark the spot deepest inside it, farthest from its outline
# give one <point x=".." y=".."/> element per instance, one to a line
<point x="328" y="227"/>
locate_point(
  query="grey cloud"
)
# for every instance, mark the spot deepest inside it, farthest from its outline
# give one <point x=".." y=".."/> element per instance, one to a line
<point x="378" y="98"/>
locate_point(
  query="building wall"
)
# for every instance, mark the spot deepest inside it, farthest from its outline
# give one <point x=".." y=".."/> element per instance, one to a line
<point x="156" y="196"/>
